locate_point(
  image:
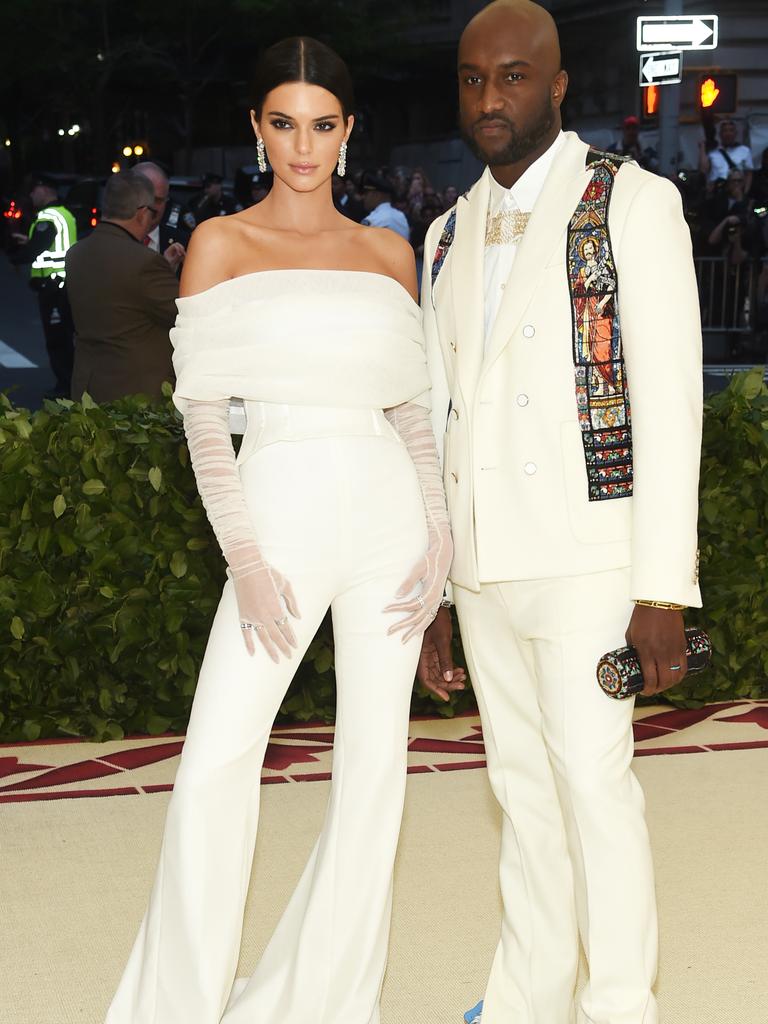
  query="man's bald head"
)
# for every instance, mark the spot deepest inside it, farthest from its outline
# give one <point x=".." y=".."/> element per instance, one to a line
<point x="511" y="84"/>
<point x="159" y="180"/>
<point x="533" y="25"/>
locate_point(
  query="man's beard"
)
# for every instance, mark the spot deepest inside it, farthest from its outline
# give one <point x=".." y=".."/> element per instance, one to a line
<point x="520" y="143"/>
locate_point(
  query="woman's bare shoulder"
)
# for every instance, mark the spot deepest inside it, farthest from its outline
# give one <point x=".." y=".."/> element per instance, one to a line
<point x="212" y="253"/>
<point x="395" y="257"/>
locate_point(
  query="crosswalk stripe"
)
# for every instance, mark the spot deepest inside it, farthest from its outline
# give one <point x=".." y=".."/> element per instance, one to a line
<point x="13" y="360"/>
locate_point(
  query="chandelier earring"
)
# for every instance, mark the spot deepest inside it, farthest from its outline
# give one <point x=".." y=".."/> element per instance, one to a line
<point x="261" y="155"/>
<point x="342" y="166"/>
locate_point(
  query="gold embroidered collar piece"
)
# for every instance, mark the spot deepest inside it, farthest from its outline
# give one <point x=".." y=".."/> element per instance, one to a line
<point x="505" y="228"/>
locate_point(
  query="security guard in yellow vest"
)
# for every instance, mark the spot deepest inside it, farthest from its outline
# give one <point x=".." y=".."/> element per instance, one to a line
<point x="53" y="231"/>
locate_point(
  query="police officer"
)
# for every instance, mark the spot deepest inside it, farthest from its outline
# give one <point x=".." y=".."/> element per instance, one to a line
<point x="212" y="201"/>
<point x="51" y="234"/>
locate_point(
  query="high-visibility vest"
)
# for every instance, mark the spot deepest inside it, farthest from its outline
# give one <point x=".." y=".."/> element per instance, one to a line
<point x="50" y="263"/>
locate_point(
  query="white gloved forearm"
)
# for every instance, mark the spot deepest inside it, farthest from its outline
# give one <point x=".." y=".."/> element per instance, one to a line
<point x="263" y="595"/>
<point x="412" y="423"/>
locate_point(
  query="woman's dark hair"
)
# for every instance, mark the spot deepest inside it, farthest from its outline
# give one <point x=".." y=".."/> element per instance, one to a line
<point x="302" y="59"/>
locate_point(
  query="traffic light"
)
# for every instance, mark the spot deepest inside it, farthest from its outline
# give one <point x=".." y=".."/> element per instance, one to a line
<point x="651" y="95"/>
<point x="718" y="92"/>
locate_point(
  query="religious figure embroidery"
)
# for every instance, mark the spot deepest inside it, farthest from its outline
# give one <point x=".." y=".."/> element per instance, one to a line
<point x="602" y="397"/>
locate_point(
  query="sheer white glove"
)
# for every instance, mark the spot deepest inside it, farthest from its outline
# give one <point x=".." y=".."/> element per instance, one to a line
<point x="264" y="596"/>
<point x="413" y="425"/>
<point x="264" y="599"/>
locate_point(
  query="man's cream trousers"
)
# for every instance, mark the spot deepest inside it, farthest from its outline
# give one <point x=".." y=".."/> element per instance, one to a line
<point x="575" y="847"/>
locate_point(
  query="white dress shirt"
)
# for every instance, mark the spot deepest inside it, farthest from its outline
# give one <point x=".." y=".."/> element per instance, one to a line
<point x="154" y="239"/>
<point x="522" y="196"/>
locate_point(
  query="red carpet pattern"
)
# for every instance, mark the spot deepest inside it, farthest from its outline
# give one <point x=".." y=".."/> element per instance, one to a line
<point x="67" y="769"/>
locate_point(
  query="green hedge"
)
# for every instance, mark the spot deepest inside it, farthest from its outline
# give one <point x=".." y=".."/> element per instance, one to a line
<point x="109" y="574"/>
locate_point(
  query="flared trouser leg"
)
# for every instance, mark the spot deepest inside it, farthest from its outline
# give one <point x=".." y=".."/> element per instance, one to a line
<point x="350" y="548"/>
<point x="184" y="958"/>
<point x="325" y="962"/>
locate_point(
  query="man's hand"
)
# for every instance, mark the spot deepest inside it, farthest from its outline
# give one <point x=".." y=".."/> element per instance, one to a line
<point x="435" y="670"/>
<point x="658" y="635"/>
<point x="175" y="254"/>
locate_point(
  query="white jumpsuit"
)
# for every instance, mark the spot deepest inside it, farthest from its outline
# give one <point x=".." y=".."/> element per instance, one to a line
<point x="337" y="509"/>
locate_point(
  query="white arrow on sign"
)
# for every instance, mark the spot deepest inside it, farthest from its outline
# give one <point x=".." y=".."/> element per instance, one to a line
<point x="679" y="32"/>
<point x="664" y="68"/>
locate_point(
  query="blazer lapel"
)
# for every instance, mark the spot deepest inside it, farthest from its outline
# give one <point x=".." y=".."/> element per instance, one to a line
<point x="468" y="283"/>
<point x="551" y="214"/>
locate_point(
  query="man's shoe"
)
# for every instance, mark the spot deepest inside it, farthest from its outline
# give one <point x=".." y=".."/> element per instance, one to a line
<point x="474" y="1015"/>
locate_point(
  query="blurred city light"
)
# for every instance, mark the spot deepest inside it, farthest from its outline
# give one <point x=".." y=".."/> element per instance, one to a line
<point x="127" y="150"/>
<point x="115" y="167"/>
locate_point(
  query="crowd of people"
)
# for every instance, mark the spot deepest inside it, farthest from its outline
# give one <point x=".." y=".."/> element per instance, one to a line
<point x="725" y="200"/>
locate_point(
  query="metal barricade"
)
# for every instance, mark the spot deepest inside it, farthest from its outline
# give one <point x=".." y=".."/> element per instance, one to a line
<point x="727" y="293"/>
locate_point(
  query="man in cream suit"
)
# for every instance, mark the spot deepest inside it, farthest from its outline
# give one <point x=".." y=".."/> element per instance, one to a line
<point x="564" y="345"/>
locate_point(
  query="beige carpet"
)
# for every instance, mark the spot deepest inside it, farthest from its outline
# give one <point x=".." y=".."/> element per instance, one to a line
<point x="75" y="874"/>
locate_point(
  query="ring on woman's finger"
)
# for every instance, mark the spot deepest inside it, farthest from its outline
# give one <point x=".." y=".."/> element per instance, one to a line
<point x="247" y="625"/>
<point x="420" y="599"/>
<point x="281" y="622"/>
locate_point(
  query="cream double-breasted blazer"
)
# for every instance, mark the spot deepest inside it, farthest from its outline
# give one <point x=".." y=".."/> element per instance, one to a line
<point x="513" y="458"/>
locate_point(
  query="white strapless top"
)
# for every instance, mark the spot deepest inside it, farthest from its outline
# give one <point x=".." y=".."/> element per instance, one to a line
<point x="336" y="338"/>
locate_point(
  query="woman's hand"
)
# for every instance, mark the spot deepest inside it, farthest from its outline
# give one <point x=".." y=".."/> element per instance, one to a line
<point x="431" y="572"/>
<point x="265" y="599"/>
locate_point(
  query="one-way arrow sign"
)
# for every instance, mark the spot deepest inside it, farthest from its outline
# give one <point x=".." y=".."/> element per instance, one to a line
<point x="664" y="68"/>
<point x="678" y="32"/>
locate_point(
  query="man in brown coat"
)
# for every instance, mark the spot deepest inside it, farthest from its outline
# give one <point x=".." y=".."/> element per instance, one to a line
<point x="122" y="297"/>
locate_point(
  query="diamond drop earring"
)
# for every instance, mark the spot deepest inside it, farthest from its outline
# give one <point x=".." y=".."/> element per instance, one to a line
<point x="261" y="155"/>
<point x="342" y="167"/>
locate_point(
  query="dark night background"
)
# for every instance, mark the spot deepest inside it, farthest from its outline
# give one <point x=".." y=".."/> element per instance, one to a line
<point x="174" y="76"/>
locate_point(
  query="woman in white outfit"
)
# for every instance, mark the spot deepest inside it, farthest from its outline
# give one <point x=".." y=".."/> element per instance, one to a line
<point x="336" y="500"/>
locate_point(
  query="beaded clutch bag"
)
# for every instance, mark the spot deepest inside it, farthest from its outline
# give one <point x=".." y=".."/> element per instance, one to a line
<point x="619" y="673"/>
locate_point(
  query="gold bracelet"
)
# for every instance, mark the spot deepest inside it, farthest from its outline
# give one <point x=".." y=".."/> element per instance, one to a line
<point x="666" y="605"/>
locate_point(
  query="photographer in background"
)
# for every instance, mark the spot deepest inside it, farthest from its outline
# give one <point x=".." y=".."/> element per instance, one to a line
<point x="737" y="232"/>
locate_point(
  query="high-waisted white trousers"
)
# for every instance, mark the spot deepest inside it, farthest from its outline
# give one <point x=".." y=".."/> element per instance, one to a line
<point x="342" y="518"/>
<point x="575" y="852"/>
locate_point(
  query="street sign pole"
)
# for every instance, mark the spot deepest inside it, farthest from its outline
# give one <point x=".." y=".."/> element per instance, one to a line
<point x="669" y="115"/>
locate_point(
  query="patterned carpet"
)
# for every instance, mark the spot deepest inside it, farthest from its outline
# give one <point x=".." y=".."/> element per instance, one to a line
<point x="76" y="871"/>
<point x="66" y="769"/>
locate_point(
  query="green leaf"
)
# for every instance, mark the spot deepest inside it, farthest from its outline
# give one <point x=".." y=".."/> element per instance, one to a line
<point x="93" y="486"/>
<point x="156" y="477"/>
<point x="31" y="730"/>
<point x="107" y="591"/>
<point x="157" y="724"/>
<point x="324" y="660"/>
<point x="178" y="564"/>
<point x="59" y="505"/>
<point x="17" y="628"/>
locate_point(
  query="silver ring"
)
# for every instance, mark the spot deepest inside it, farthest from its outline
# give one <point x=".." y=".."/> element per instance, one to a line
<point x="420" y="599"/>
<point x="674" y="668"/>
<point x="246" y="625"/>
<point x="281" y="622"/>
